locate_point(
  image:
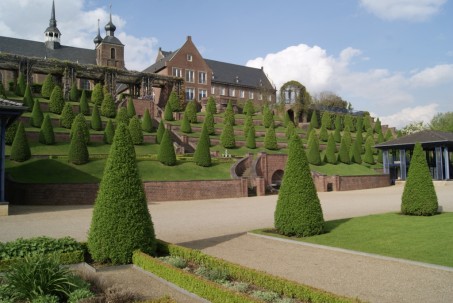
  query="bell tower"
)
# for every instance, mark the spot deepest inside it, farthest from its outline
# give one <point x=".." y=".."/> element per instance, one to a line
<point x="52" y="34"/>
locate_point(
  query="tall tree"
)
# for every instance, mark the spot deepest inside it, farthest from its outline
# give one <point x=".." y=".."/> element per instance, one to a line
<point x="442" y="122"/>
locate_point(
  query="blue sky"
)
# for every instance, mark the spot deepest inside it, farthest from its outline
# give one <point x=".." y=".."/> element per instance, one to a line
<point x="393" y="58"/>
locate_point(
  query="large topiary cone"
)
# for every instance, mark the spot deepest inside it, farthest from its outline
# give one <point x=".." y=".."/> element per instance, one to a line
<point x="202" y="155"/>
<point x="20" y="150"/>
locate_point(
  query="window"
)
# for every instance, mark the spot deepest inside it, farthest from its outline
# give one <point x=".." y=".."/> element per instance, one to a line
<point x="222" y="91"/>
<point x="260" y="96"/>
<point x="189" y="57"/>
<point x="251" y="95"/>
<point x="85" y="84"/>
<point x="269" y="98"/>
<point x="242" y="93"/>
<point x="176" y="72"/>
<point x="190" y="75"/>
<point x="112" y="53"/>
<point x="190" y="94"/>
<point x="202" y="94"/>
<point x="232" y="92"/>
<point x="213" y="90"/>
<point x="202" y="77"/>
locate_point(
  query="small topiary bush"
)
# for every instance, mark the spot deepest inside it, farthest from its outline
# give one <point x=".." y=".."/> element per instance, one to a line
<point x="185" y="125"/>
<point x="191" y="112"/>
<point x="330" y="150"/>
<point x="67" y="116"/>
<point x="20" y="150"/>
<point x="368" y="157"/>
<point x="130" y="108"/>
<point x="209" y="123"/>
<point x="21" y="85"/>
<point x="37" y="116"/>
<point x="28" y="98"/>
<point x="202" y="155"/>
<point x="122" y="116"/>
<point x="173" y="101"/>
<point x="47" y="87"/>
<point x="109" y="132"/>
<point x="108" y="106"/>
<point x="160" y="132"/>
<point x="135" y="130"/>
<point x="168" y="113"/>
<point x="211" y="106"/>
<point x="249" y="109"/>
<point x="96" y="122"/>
<point x="251" y="140"/>
<point x="46" y="133"/>
<point x="147" y="124"/>
<point x="97" y="96"/>
<point x="268" y="117"/>
<point x="11" y="132"/>
<point x="343" y="154"/>
<point x="228" y="115"/>
<point x="74" y="93"/>
<point x="313" y="154"/>
<point x="80" y="122"/>
<point x="270" y="139"/>
<point x="227" y="137"/>
<point x="166" y="154"/>
<point x="84" y="108"/>
<point x="56" y="103"/>
<point x="314" y="120"/>
<point x="78" y="151"/>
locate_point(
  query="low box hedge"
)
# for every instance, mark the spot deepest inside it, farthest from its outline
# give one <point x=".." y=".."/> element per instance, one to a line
<point x="64" y="258"/>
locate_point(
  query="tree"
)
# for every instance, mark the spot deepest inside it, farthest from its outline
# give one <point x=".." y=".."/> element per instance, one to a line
<point x="67" y="116"/>
<point x="21" y="84"/>
<point x="122" y="116"/>
<point x="28" y="98"/>
<point x="168" y="113"/>
<point x="147" y="124"/>
<point x="331" y="100"/>
<point x="314" y="120"/>
<point x="249" y="109"/>
<point x="442" y="122"/>
<point x="388" y="135"/>
<point x="46" y="133"/>
<point x="268" y="117"/>
<point x="191" y="112"/>
<point x="347" y="136"/>
<point x="97" y="96"/>
<point x="121" y="222"/>
<point x="270" y="139"/>
<point x="74" y="93"/>
<point x="185" y="125"/>
<point x="166" y="154"/>
<point x="96" y="122"/>
<point x="173" y="100"/>
<point x="227" y="137"/>
<point x="209" y="122"/>
<point x="84" y="108"/>
<point x="419" y="196"/>
<point x="338" y="123"/>
<point x="11" y="132"/>
<point x="20" y="150"/>
<point x="160" y="132"/>
<point x="78" y="151"/>
<point x="330" y="150"/>
<point x="135" y="129"/>
<point x="313" y="155"/>
<point x="211" y="106"/>
<point x="359" y="138"/>
<point x="36" y="115"/>
<point x="359" y="123"/>
<point x="343" y="155"/>
<point x="250" y="139"/>
<point x="368" y="156"/>
<point x="80" y="123"/>
<point x="377" y="127"/>
<point x="130" y="108"/>
<point x="47" y="86"/>
<point x="414" y="127"/>
<point x="108" y="106"/>
<point x="202" y="155"/>
<point x="367" y="123"/>
<point x="298" y="211"/>
<point x="228" y="116"/>
<point x="56" y="103"/>
<point x="109" y="132"/>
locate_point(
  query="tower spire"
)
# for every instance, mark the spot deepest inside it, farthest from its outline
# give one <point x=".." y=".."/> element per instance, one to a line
<point x="52" y="34"/>
<point x="53" y="21"/>
<point x="110" y="27"/>
<point x="97" y="40"/>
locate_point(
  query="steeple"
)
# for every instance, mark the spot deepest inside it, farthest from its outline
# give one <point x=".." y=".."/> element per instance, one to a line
<point x="52" y="34"/>
<point x="110" y="27"/>
<point x="97" y="40"/>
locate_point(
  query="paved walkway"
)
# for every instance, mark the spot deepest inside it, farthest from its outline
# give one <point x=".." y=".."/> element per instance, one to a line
<point x="218" y="227"/>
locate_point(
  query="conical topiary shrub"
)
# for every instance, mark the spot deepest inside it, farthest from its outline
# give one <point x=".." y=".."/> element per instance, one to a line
<point x="227" y="137"/>
<point x="314" y="123"/>
<point x="323" y="134"/>
<point x="11" y="132"/>
<point x="202" y="155"/>
<point x="28" y="98"/>
<point x="168" y="113"/>
<point x="47" y="86"/>
<point x="330" y="150"/>
<point x="356" y="152"/>
<point x="160" y="132"/>
<point x="337" y="135"/>
<point x="419" y="196"/>
<point x="290" y="130"/>
<point x="80" y="119"/>
<point x="166" y="154"/>
<point x="348" y="123"/>
<point x="286" y="119"/>
<point x="2" y="90"/>
<point x="185" y="125"/>
<point x="130" y="108"/>
<point x="313" y="155"/>
<point x="97" y="96"/>
<point x="388" y="135"/>
<point x="122" y="116"/>
<point x="96" y="122"/>
<point x="20" y="150"/>
<point x="109" y="132"/>
<point x="108" y="106"/>
<point x="84" y="108"/>
<point x="268" y="117"/>
<point x="173" y="101"/>
<point x="147" y="124"/>
<point x="74" y="93"/>
<point x="56" y="103"/>
<point x="135" y="129"/>
<point x="343" y="154"/>
<point x="121" y="222"/>
<point x="209" y="123"/>
<point x="78" y="151"/>
<point x="378" y="127"/>
<point x="250" y="139"/>
<point x="67" y="116"/>
<point x="270" y="139"/>
<point x="326" y="121"/>
<point x="248" y="122"/>
<point x="228" y="116"/>
<point x="249" y="109"/>
<point x="338" y="123"/>
<point x="211" y="106"/>
<point x="36" y="115"/>
<point x="191" y="112"/>
<point x="298" y="212"/>
<point x="368" y="156"/>
<point x="22" y="85"/>
<point x="46" y="133"/>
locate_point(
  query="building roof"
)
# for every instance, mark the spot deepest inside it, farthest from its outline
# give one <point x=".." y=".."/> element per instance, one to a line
<point x="160" y="64"/>
<point x="30" y="48"/>
<point x="10" y="110"/>
<point x="426" y="138"/>
<point x="112" y="40"/>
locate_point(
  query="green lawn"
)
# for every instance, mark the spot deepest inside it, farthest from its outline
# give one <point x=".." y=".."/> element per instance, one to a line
<point x="424" y="239"/>
<point x="60" y="171"/>
<point x="342" y="169"/>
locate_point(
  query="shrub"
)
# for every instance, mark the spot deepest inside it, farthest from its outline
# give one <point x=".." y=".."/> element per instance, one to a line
<point x="209" y="122"/>
<point x="108" y="106"/>
<point x="191" y="112"/>
<point x="130" y="108"/>
<point x="326" y="121"/>
<point x="251" y="140"/>
<point x="56" y="103"/>
<point x="248" y="122"/>
<point x="67" y="116"/>
<point x="160" y="131"/>
<point x="74" y="93"/>
<point x="84" y="108"/>
<point x="343" y="154"/>
<point x="367" y="123"/>
<point x="359" y="123"/>
<point x="388" y="135"/>
<point x="347" y="136"/>
<point x="96" y="122"/>
<point x="378" y="127"/>
<point x="177" y="262"/>
<point x="298" y="212"/>
<point x="290" y="130"/>
<point x="419" y="196"/>
<point x="228" y="116"/>
<point x="11" y="132"/>
<point x="80" y="119"/>
<point x="147" y="124"/>
<point x="338" y="124"/>
<point x="270" y="139"/>
<point x="79" y="294"/>
<point x="330" y="150"/>
<point x="313" y="155"/>
<point x="356" y="152"/>
<point x="20" y="150"/>
<point x="266" y="296"/>
<point x="168" y="113"/>
<point x="337" y="135"/>
<point x="211" y="106"/>
<point x="122" y="116"/>
<point x="28" y="98"/>
<point x="368" y="157"/>
<point x="135" y="129"/>
<point x="173" y="100"/>
<point x="97" y="96"/>
<point x="109" y="132"/>
<point x="213" y="274"/>
<point x="46" y="134"/>
<point x="359" y="138"/>
<point x="323" y="134"/>
<point x="21" y="85"/>
<point x="314" y="120"/>
<point x="227" y="137"/>
<point x="185" y="125"/>
<point x="202" y="155"/>
<point x="78" y="151"/>
<point x="47" y="87"/>
<point x="268" y="117"/>
<point x="248" y="108"/>
<point x="121" y="222"/>
<point x="286" y="119"/>
<point x="348" y="123"/>
<point x="166" y="154"/>
<point x="36" y="115"/>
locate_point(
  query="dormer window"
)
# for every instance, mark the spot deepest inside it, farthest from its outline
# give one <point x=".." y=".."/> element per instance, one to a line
<point x="189" y="57"/>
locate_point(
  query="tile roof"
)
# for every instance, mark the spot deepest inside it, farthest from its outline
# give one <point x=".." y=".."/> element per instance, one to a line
<point x="424" y="137"/>
<point x="38" y="49"/>
<point x="157" y="66"/>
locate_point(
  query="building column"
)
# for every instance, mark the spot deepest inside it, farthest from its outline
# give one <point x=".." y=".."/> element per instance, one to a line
<point x="447" y="163"/>
<point x="385" y="161"/>
<point x="403" y="164"/>
<point x="439" y="174"/>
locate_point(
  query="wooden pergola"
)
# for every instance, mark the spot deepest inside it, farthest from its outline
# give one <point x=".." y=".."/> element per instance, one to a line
<point x="437" y="145"/>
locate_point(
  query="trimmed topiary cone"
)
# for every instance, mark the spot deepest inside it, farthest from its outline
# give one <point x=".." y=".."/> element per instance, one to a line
<point x="11" y="132"/>
<point x="80" y="119"/>
<point x="84" y="108"/>
<point x="211" y="106"/>
<point x="202" y="155"/>
<point x="228" y="115"/>
<point x="290" y="130"/>
<point x="78" y="151"/>
<point x="74" y="93"/>
<point x="314" y="120"/>
<point x="191" y="112"/>
<point x="270" y="139"/>
<point x="96" y="122"/>
<point x="22" y="86"/>
<point x="20" y="150"/>
<point x="47" y="86"/>
<point x="227" y="137"/>
<point x="160" y="131"/>
<point x="298" y="212"/>
<point x="121" y="222"/>
<point x="173" y="101"/>
<point x="185" y="125"/>
<point x="135" y="129"/>
<point x="209" y="122"/>
<point x="249" y="109"/>
<point x="419" y="196"/>
<point x="251" y="140"/>
<point x="46" y="133"/>
<point x="130" y="108"/>
<point x="330" y="150"/>
<point x="368" y="156"/>
<point x="109" y="132"/>
<point x="122" y="116"/>
<point x="168" y="113"/>
<point x="28" y="98"/>
<point x="343" y="154"/>
<point x="36" y="115"/>
<point x="147" y="124"/>
<point x="166" y="154"/>
<point x="338" y="123"/>
<point x="67" y="116"/>
<point x="268" y="117"/>
<point x="248" y="122"/>
<point x="56" y="103"/>
<point x="313" y="155"/>
<point x="97" y="96"/>
<point x="108" y="108"/>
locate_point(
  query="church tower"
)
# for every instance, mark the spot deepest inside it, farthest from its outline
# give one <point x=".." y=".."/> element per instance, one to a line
<point x="110" y="50"/>
<point x="52" y="34"/>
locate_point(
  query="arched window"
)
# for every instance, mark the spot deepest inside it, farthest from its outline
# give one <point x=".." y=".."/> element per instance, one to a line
<point x="112" y="53"/>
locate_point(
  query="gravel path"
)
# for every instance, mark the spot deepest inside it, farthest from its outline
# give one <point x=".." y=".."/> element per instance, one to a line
<point x="218" y="227"/>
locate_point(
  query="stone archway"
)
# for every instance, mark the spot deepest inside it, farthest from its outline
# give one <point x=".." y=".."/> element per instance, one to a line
<point x="277" y="178"/>
<point x="291" y="115"/>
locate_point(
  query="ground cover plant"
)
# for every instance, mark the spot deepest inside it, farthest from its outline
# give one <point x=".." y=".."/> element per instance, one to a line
<point x="418" y="238"/>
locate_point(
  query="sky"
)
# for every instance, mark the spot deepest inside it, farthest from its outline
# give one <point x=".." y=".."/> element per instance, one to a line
<point x="393" y="58"/>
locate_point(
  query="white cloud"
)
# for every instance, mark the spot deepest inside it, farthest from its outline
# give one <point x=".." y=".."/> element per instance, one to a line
<point x="433" y="76"/>
<point x="410" y="114"/>
<point x="411" y="10"/>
